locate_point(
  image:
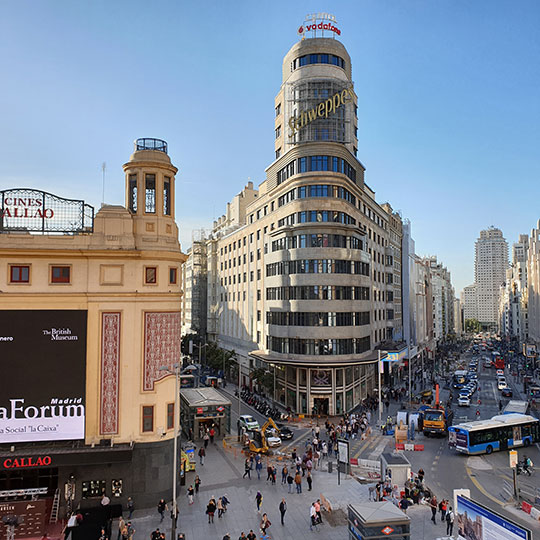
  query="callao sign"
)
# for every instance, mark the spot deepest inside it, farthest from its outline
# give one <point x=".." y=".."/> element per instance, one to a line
<point x="319" y="21"/>
<point x="25" y="462"/>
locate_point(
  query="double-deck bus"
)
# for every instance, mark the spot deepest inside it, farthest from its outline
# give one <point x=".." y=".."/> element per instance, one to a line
<point x="501" y="432"/>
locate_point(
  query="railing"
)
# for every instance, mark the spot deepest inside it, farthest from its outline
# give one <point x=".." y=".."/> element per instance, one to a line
<point x="151" y="144"/>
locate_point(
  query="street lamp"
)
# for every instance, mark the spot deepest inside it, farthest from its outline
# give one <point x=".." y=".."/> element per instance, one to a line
<point x="176" y="373"/>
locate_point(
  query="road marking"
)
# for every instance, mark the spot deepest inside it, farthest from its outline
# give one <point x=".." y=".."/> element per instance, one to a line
<point x="481" y="488"/>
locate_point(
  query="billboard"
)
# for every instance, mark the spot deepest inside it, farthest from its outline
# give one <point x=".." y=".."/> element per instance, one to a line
<point x="476" y="522"/>
<point x="43" y="383"/>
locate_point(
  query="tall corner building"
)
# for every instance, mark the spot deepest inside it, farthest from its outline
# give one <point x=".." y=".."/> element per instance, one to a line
<point x="304" y="273"/>
<point x="490" y="265"/>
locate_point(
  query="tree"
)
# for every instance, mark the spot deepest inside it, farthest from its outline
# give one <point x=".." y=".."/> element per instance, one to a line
<point x="218" y="358"/>
<point x="264" y="378"/>
<point x="472" y="325"/>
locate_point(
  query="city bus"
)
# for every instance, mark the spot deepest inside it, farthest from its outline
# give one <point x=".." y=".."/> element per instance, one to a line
<point x="501" y="432"/>
<point x="498" y="360"/>
<point x="460" y="378"/>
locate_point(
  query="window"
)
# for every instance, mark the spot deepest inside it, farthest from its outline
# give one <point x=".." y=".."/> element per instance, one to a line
<point x="278" y="109"/>
<point x="259" y="315"/>
<point x="167" y="196"/>
<point x="148" y="418"/>
<point x="258" y="294"/>
<point x="150" y="191"/>
<point x="278" y="132"/>
<point x="173" y="274"/>
<point x="278" y="153"/>
<point x="150" y="275"/>
<point x="170" y="415"/>
<point x="133" y="193"/>
<point x="19" y="274"/>
<point x="60" y="274"/>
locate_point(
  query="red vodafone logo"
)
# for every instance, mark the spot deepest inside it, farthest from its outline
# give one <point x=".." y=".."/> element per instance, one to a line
<point x="301" y="30"/>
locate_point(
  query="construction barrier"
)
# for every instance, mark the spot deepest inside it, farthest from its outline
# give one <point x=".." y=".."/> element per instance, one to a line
<point x="535" y="513"/>
<point x="526" y="507"/>
<point x="410" y="447"/>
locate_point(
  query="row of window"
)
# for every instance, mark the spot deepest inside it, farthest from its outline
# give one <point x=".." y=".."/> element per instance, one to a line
<point x="307" y="318"/>
<point x="317" y="163"/>
<point x="319" y="346"/>
<point x="317" y="240"/>
<point x="62" y="274"/>
<point x="323" y="190"/>
<point x="150" y="194"/>
<point x="322" y="58"/>
<point x="317" y="292"/>
<point x="317" y="216"/>
<point x="317" y="266"/>
<point x="148" y="417"/>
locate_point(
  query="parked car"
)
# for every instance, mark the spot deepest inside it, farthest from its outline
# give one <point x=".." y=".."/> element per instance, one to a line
<point x="247" y="422"/>
<point x="506" y="392"/>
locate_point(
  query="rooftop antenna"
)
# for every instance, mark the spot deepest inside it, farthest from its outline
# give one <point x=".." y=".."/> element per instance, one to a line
<point x="103" y="168"/>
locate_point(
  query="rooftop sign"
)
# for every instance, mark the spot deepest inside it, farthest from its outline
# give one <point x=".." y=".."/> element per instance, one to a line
<point x="322" y="22"/>
<point x="31" y="210"/>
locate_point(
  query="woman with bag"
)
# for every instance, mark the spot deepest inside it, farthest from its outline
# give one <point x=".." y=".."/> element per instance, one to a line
<point x="265" y="523"/>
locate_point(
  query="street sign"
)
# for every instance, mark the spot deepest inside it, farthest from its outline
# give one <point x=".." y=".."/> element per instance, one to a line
<point x="513" y="456"/>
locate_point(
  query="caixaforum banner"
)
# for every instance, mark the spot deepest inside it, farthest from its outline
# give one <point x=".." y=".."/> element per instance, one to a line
<point x="43" y="383"/>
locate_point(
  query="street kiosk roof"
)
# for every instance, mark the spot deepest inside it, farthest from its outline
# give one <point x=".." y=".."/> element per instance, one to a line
<point x="379" y="512"/>
<point x="203" y="397"/>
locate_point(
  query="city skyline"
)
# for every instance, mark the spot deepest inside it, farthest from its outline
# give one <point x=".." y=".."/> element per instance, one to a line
<point x="446" y="106"/>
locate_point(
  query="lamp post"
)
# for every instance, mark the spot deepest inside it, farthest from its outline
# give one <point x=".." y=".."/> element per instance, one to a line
<point x="176" y="373"/>
<point x="379" y="383"/>
<point x="410" y="383"/>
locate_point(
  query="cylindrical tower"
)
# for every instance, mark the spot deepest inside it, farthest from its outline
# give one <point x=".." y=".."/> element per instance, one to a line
<point x="150" y="179"/>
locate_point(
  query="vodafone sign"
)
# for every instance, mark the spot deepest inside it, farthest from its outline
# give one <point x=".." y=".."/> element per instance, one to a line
<point x="319" y="21"/>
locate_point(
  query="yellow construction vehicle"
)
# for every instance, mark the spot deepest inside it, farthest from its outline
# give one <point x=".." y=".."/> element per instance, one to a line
<point x="255" y="439"/>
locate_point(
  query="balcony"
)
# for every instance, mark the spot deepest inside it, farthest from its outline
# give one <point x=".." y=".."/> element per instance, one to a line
<point x="151" y="144"/>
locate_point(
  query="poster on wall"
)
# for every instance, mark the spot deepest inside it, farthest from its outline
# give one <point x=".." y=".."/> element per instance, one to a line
<point x="43" y="383"/>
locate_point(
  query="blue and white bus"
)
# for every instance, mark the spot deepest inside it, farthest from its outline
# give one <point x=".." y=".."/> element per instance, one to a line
<point x="502" y="432"/>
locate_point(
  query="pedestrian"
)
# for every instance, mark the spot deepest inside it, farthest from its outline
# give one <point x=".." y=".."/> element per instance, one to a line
<point x="433" y="504"/>
<point x="290" y="481"/>
<point x="282" y="510"/>
<point x="298" y="482"/>
<point x="242" y="536"/>
<point x="324" y="450"/>
<point x="317" y="505"/>
<point x="268" y="472"/>
<point x="251" y="535"/>
<point x="206" y="438"/>
<point x="121" y="525"/>
<point x="202" y="453"/>
<point x="211" y="509"/>
<point x="274" y="474"/>
<point x="197" y="483"/>
<point x="312" y="517"/>
<point x="130" y="530"/>
<point x="102" y="536"/>
<point x="258" y="466"/>
<point x="227" y="536"/>
<point x="265" y="523"/>
<point x="155" y="535"/>
<point x="190" y="493"/>
<point x="284" y="473"/>
<point x="130" y="507"/>
<point x="404" y="504"/>
<point x="258" y="500"/>
<point x="449" y="522"/>
<point x="309" y="480"/>
<point x="125" y="534"/>
<point x="161" y="508"/>
<point x="247" y="469"/>
<point x="219" y="507"/>
<point x="212" y="433"/>
<point x="443" y="510"/>
<point x="421" y="475"/>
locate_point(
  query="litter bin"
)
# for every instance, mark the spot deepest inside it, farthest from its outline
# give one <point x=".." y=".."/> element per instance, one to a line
<point x="330" y="465"/>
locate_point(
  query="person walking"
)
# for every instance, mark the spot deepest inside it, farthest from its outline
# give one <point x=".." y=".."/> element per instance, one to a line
<point x="309" y="480"/>
<point x="197" y="483"/>
<point x="130" y="530"/>
<point x="298" y="482"/>
<point x="242" y="536"/>
<point x="268" y="472"/>
<point x="290" y="481"/>
<point x="247" y="469"/>
<point x="284" y="472"/>
<point x="202" y="453"/>
<point x="443" y="510"/>
<point x="251" y="535"/>
<point x="161" y="508"/>
<point x="219" y="507"/>
<point x="312" y="517"/>
<point x="274" y="474"/>
<point x="258" y="500"/>
<point x="433" y="504"/>
<point x="212" y="434"/>
<point x="258" y="466"/>
<point x="282" y="510"/>
<point x="317" y="505"/>
<point x="324" y="450"/>
<point x="130" y="507"/>
<point x="211" y="510"/>
<point x="190" y="493"/>
<point x="265" y="523"/>
<point x="449" y="522"/>
<point x="206" y="439"/>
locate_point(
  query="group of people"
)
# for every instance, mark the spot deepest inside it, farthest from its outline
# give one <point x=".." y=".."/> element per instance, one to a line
<point x="220" y="505"/>
<point x="447" y="514"/>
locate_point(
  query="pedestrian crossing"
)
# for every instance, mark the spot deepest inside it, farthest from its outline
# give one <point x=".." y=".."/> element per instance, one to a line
<point x="372" y="447"/>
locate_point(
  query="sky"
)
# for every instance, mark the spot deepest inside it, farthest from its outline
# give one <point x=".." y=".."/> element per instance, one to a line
<point x="448" y="104"/>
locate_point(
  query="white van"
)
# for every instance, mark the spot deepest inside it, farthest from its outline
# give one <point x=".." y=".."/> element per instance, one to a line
<point x="501" y="383"/>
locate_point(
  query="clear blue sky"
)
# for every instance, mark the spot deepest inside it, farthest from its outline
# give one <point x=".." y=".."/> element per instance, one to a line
<point x="449" y="104"/>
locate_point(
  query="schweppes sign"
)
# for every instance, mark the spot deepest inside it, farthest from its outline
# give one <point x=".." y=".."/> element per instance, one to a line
<point x="322" y="110"/>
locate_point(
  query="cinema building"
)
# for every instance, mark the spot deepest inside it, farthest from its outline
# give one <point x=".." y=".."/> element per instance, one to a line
<point x="89" y="336"/>
<point x="304" y="272"/>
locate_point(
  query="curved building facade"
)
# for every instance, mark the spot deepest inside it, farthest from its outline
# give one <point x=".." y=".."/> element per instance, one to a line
<point x="302" y="267"/>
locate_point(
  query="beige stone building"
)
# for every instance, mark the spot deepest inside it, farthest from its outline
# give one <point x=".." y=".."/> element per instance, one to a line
<point x="303" y="271"/>
<point x="119" y="276"/>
